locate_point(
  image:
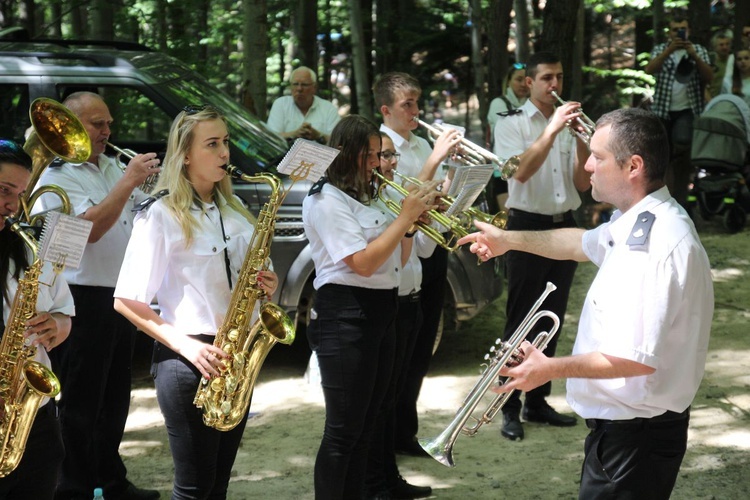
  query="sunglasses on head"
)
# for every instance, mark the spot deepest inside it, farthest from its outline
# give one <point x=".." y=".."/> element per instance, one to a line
<point x="191" y="109"/>
<point x="519" y="66"/>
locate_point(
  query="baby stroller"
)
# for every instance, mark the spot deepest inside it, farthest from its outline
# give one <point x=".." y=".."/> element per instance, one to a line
<point x="721" y="136"/>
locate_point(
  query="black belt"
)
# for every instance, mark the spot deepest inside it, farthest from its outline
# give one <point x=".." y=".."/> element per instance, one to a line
<point x="552" y="219"/>
<point x="412" y="297"/>
<point x="664" y="420"/>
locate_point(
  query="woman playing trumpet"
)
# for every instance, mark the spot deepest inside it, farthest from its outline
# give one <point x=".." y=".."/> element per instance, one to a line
<point x="355" y="248"/>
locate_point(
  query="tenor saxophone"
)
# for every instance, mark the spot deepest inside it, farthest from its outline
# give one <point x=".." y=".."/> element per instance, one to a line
<point x="225" y="399"/>
<point x="24" y="383"/>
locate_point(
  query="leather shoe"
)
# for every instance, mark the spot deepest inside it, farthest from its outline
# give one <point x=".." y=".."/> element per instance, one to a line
<point x="403" y="490"/>
<point x="545" y="414"/>
<point x="512" y="428"/>
<point x="411" y="448"/>
<point x="135" y="493"/>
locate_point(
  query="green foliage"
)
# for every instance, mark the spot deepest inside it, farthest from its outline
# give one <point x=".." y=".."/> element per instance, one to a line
<point x="612" y="89"/>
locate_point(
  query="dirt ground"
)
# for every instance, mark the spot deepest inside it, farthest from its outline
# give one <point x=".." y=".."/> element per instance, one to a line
<point x="278" y="451"/>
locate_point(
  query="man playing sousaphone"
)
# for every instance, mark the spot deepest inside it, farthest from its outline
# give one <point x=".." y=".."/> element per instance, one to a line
<point x="95" y="397"/>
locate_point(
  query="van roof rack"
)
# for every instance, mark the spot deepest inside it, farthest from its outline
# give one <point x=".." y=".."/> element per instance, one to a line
<point x="19" y="34"/>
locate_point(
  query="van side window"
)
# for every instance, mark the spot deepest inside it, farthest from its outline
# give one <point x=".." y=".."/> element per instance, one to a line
<point x="14" y="106"/>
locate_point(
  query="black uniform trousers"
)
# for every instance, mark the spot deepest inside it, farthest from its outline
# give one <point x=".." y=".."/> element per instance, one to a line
<point x="382" y="470"/>
<point x="203" y="456"/>
<point x="434" y="281"/>
<point x="633" y="459"/>
<point x="527" y="276"/>
<point x="353" y="335"/>
<point x="38" y="471"/>
<point x="93" y="366"/>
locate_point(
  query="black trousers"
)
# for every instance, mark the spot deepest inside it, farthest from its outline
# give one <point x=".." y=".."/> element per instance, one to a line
<point x="203" y="456"/>
<point x="38" y="471"/>
<point x="434" y="281"/>
<point x="633" y="459"/>
<point x="382" y="470"/>
<point x="353" y="336"/>
<point x="528" y="275"/>
<point x="93" y="366"/>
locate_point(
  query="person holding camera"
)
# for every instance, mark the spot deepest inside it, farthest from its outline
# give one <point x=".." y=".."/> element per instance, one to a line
<point x="682" y="69"/>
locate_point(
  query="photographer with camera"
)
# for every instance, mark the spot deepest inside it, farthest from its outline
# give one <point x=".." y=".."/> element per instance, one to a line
<point x="682" y="69"/>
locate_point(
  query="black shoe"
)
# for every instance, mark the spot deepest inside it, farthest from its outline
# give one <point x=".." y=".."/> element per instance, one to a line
<point x="411" y="448"/>
<point x="512" y="428"/>
<point x="403" y="490"/>
<point x="135" y="493"/>
<point x="545" y="414"/>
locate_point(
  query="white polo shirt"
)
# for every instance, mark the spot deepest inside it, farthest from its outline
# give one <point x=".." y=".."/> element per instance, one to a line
<point x="551" y="189"/>
<point x="338" y="226"/>
<point x="285" y="116"/>
<point x="87" y="185"/>
<point x="651" y="304"/>
<point x="190" y="283"/>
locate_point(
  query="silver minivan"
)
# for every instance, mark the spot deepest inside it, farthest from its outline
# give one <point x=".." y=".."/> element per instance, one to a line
<point x="145" y="90"/>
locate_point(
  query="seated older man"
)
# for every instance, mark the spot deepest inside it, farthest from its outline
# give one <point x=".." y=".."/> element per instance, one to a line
<point x="303" y="114"/>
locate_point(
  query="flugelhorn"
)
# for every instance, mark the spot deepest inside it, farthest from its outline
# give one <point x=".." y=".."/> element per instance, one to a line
<point x="498" y="220"/>
<point x="453" y="226"/>
<point x="441" y="447"/>
<point x="583" y="126"/>
<point x="476" y="155"/>
<point x="57" y="132"/>
<point x="148" y="185"/>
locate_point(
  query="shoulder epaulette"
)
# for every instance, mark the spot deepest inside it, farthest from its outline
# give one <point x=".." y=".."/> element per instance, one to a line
<point x="318" y="186"/>
<point x="57" y="163"/>
<point x="511" y="110"/>
<point x="641" y="229"/>
<point x="150" y="201"/>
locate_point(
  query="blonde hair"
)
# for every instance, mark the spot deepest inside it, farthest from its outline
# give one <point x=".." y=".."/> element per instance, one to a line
<point x="182" y="196"/>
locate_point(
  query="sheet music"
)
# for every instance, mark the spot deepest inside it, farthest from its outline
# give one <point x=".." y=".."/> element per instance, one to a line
<point x="64" y="239"/>
<point x="468" y="183"/>
<point x="307" y="160"/>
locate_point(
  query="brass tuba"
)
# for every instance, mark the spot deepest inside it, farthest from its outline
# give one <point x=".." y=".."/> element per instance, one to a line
<point x="441" y="447"/>
<point x="225" y="399"/>
<point x="57" y="132"/>
<point x="24" y="383"/>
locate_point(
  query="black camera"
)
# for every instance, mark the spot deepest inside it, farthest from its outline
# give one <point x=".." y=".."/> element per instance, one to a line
<point x="682" y="34"/>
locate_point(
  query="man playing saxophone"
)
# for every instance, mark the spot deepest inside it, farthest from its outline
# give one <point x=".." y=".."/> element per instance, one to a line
<point x="187" y="250"/>
<point x="642" y="340"/>
<point x="36" y="474"/>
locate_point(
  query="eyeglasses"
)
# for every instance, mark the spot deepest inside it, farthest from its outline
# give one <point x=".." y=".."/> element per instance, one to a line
<point x="519" y="66"/>
<point x="303" y="85"/>
<point x="389" y="155"/>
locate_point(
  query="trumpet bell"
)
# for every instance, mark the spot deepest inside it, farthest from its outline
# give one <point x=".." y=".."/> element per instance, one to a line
<point x="59" y="131"/>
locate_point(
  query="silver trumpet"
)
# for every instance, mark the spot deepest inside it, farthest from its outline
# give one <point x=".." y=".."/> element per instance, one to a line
<point x="475" y="155"/>
<point x="583" y="126"/>
<point x="150" y="181"/>
<point x="441" y="447"/>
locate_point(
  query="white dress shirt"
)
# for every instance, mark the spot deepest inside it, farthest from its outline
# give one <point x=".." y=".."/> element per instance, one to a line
<point x="285" y="116"/>
<point x="338" y="226"/>
<point x="649" y="303"/>
<point x="87" y="185"/>
<point x="414" y="154"/>
<point x="551" y="189"/>
<point x="189" y="283"/>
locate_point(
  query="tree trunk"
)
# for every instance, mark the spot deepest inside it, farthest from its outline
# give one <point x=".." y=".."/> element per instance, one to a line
<point x="700" y="22"/>
<point x="659" y="24"/>
<point x="523" y="44"/>
<point x="359" y="61"/>
<point x="306" y="28"/>
<point x="576" y="87"/>
<point x="103" y="20"/>
<point x="255" y="48"/>
<point x="559" y="31"/>
<point x="475" y="16"/>
<point x="741" y="19"/>
<point x="497" y="39"/>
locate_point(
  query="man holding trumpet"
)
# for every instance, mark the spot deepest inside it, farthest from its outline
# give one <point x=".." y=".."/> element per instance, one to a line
<point x="542" y="195"/>
<point x="642" y="340"/>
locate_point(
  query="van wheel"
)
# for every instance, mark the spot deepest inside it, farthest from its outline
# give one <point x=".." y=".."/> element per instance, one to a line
<point x="735" y="219"/>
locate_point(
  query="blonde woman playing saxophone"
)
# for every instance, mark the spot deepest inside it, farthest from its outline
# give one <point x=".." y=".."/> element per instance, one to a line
<point x="186" y="250"/>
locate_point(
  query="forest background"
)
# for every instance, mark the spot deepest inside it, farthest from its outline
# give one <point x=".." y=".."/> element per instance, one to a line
<point x="459" y="50"/>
